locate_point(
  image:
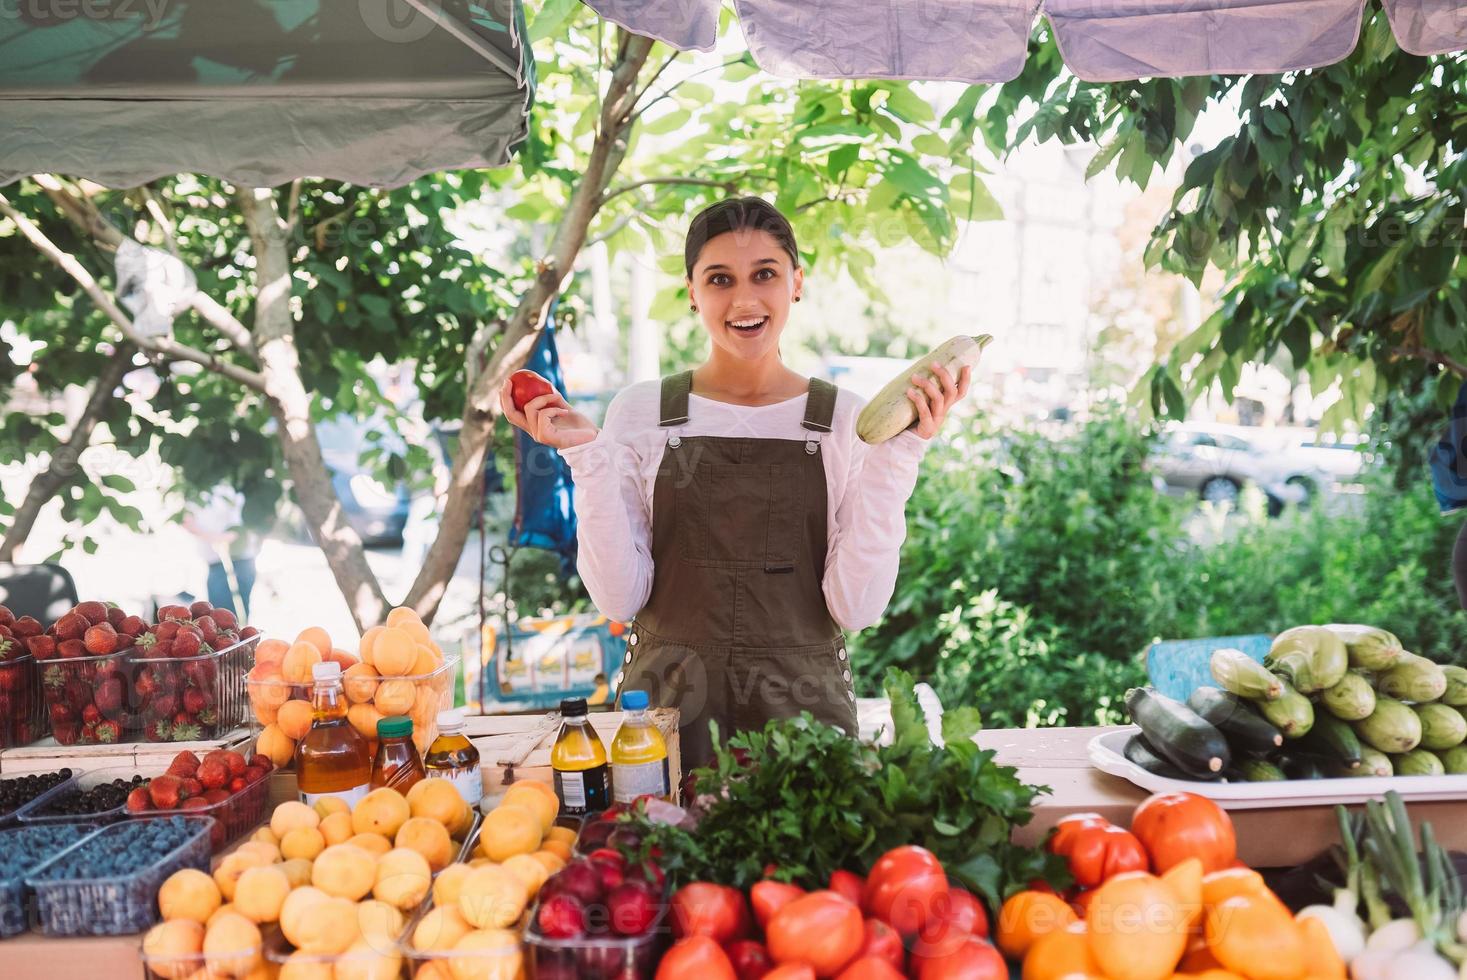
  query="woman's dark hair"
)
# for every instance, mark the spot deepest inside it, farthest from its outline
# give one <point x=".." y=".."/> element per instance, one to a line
<point x="738" y="214"/>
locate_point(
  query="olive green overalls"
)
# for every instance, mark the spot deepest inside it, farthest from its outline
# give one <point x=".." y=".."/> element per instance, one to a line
<point x="736" y="629"/>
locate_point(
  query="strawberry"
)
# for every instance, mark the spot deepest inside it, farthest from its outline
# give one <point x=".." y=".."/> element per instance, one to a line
<point x="200" y="607"/>
<point x="172" y="612"/>
<point x="224" y="618"/>
<point x="248" y="633"/>
<point x="193" y="700"/>
<point x="261" y="761"/>
<point x="108" y="731"/>
<point x="6" y="616"/>
<point x="163" y="704"/>
<point x="42" y="647"/>
<point x="194" y="803"/>
<point x="71" y="626"/>
<point x="66" y="733"/>
<point x="190" y="787"/>
<point x="61" y="713"/>
<point x="89" y="732"/>
<point x="222" y="642"/>
<point x="94" y="612"/>
<point x="236" y="784"/>
<point x="138" y="801"/>
<point x="234" y="761"/>
<point x="156" y="731"/>
<point x="208" y="718"/>
<point x="184" y="729"/>
<point x="91" y="714"/>
<point x="109" y="696"/>
<point x="184" y="765"/>
<point x="207" y="626"/>
<point x="187" y="644"/>
<point x="115" y="616"/>
<point x="164" y="791"/>
<point x="201" y="674"/>
<point x="166" y="630"/>
<point x="101" y="639"/>
<point x="131" y="625"/>
<point x="213" y="796"/>
<point x="71" y="648"/>
<point x="213" y="773"/>
<point x="26" y="626"/>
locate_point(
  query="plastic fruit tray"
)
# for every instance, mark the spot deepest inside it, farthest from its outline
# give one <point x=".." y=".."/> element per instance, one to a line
<point x="504" y="961"/>
<point x="22" y="706"/>
<point x="14" y="894"/>
<point x="11" y="817"/>
<point x="39" y="809"/>
<point x="116" y="904"/>
<point x="188" y="699"/>
<point x="86" y="698"/>
<point x="233" y="817"/>
<point x="358" y="963"/>
<point x="601" y="957"/>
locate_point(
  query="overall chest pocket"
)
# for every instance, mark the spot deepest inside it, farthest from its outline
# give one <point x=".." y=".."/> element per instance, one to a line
<point x="742" y="514"/>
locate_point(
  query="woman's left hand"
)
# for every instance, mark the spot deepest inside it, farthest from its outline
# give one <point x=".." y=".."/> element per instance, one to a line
<point x="934" y="399"/>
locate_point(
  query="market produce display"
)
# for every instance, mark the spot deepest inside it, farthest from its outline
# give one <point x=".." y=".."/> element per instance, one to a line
<point x="397" y="670"/>
<point x="21" y="706"/>
<point x="1327" y="701"/>
<point x="88" y="797"/>
<point x="221" y="785"/>
<point x="182" y="689"/>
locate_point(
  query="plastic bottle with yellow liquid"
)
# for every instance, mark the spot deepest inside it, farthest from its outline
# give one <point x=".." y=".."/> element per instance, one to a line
<point x="638" y="753"/>
<point x="578" y="760"/>
<point x="332" y="759"/>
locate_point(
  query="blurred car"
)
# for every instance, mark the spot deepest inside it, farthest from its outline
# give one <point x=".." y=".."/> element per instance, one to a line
<point x="376" y="511"/>
<point x="1341" y="459"/>
<point x="1216" y="463"/>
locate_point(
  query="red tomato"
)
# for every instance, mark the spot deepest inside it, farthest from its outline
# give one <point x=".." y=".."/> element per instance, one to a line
<point x="706" y="909"/>
<point x="821" y="929"/>
<point x="749" y="958"/>
<point x="1176" y="826"/>
<point x="975" y="959"/>
<point x="1074" y="823"/>
<point x="1098" y="852"/>
<point x="881" y="941"/>
<point x="870" y="968"/>
<point x="791" y="971"/>
<point x="847" y="883"/>
<point x="903" y="887"/>
<point x="525" y="386"/>
<point x="956" y="916"/>
<point x="695" y="958"/>
<point x="768" y="897"/>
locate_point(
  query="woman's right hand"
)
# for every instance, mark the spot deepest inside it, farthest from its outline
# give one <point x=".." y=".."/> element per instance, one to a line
<point x="548" y="419"/>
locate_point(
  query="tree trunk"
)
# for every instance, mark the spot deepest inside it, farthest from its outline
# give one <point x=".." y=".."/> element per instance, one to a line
<point x="66" y="460"/>
<point x="290" y="403"/>
<point x="481" y="406"/>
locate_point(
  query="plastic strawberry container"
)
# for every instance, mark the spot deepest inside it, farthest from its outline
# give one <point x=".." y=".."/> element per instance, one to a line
<point x="14" y="894"/>
<point x="598" y="957"/>
<point x="22" y="705"/>
<point x="233" y="817"/>
<point x="189" y="699"/>
<point x="42" y="808"/>
<point x="86" y="698"/>
<point x="118" y="904"/>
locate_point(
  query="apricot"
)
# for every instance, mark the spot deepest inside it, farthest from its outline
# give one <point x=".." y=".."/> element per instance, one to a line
<point x="393" y="653"/>
<point x="299" y="659"/>
<point x="172" y="946"/>
<point x="364" y="718"/>
<point x="267" y="686"/>
<point x="369" y="959"/>
<point x="374" y="844"/>
<point x="403" y="878"/>
<point x="437" y="931"/>
<point x="301" y="965"/>
<point x="509" y="829"/>
<point x="551" y="862"/>
<point x="382" y="811"/>
<point x="291" y="815"/>
<point x="345" y="871"/>
<point x="232" y="945"/>
<point x="344" y="657"/>
<point x="559" y="848"/>
<point x="270" y="652"/>
<point x="230" y="869"/>
<point x="265" y="834"/>
<point x="260" y="892"/>
<point x="336" y="829"/>
<point x="303" y="842"/>
<point x="429" y="838"/>
<point x="380" y="921"/>
<point x="327" y="805"/>
<point x="487" y="954"/>
<point x="298" y="870"/>
<point x="294" y="718"/>
<point x="528" y="870"/>
<point x="326" y="925"/>
<point x="492" y="898"/>
<point x="425" y="660"/>
<point x="189" y="894"/>
<point x="402" y="614"/>
<point x="366" y="649"/>
<point x="359" y="681"/>
<point x="275" y="744"/>
<point x="316" y="637"/>
<point x="449" y="882"/>
<point x="266" y="851"/>
<point x="436" y="799"/>
<point x="547" y="808"/>
<point x="395" y="697"/>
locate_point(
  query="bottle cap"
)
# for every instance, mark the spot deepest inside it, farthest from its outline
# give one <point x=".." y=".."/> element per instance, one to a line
<point x="633" y="700"/>
<point x="328" y="670"/>
<point x="395" y="727"/>
<point x="573" y="708"/>
<point x="451" y="720"/>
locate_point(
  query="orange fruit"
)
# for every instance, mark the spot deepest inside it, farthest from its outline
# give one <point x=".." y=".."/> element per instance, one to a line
<point x="382" y="811"/>
<point x="1064" y="953"/>
<point x="426" y="660"/>
<point x="302" y="842"/>
<point x="294" y="718"/>
<point x="189" y="894"/>
<point x="562" y="850"/>
<point x="1255" y="935"/>
<point x="448" y="884"/>
<point x="171" y="945"/>
<point x="440" y="929"/>
<point x="299" y="659"/>
<point x="394" y="697"/>
<point x="1185" y="878"/>
<point x="374" y="844"/>
<point x="364" y="718"/>
<point x="369" y="639"/>
<point x="509" y="829"/>
<point x="1138" y="929"/>
<point x="345" y="871"/>
<point x="547" y="808"/>
<point x="290" y="815"/>
<point x="231" y="946"/>
<point x="337" y="829"/>
<point x="318" y="638"/>
<point x="1025" y="917"/>
<point x="359" y="681"/>
<point x="260" y="892"/>
<point x="429" y="838"/>
<point x="394" y="653"/>
<point x="1219" y="886"/>
<point x="492" y="898"/>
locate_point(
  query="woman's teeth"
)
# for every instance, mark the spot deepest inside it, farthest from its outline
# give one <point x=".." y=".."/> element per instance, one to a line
<point x="748" y="325"/>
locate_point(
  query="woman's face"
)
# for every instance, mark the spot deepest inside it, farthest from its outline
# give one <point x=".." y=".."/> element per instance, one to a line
<point x="743" y="284"/>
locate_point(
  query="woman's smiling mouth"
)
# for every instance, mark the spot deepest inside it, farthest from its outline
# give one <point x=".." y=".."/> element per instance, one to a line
<point x="748" y="325"/>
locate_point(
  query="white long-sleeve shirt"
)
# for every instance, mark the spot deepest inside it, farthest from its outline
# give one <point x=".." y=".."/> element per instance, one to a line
<point x="867" y="487"/>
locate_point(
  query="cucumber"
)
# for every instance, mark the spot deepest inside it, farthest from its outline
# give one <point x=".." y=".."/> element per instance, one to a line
<point x="890" y="412"/>
<point x="1334" y="739"/>
<point x="1177" y="733"/>
<point x="1292" y="713"/>
<point x="1260" y="771"/>
<point x="1140" y="752"/>
<point x="1237" y="673"/>
<point x="1303" y="765"/>
<point x="1243" y="727"/>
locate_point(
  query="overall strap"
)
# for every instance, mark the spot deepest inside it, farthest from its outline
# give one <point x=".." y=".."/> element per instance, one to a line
<point x="819" y="406"/>
<point x="675" y="390"/>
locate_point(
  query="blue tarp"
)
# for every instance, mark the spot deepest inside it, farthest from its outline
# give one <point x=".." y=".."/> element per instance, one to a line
<point x="545" y="514"/>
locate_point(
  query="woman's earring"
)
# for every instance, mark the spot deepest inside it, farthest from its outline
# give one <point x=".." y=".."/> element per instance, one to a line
<point x="797" y="299"/>
<point x="693" y="308"/>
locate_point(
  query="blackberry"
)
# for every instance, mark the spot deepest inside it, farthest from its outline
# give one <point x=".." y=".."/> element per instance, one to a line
<point x="17" y="791"/>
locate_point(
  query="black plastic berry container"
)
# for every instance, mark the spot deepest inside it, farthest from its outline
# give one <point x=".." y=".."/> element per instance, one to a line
<point x="114" y="905"/>
<point x="14" y="895"/>
<point x="41" y="809"/>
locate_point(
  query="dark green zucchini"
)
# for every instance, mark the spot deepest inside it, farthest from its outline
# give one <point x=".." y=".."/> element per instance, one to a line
<point x="1334" y="739"/>
<point x="1301" y="765"/>
<point x="1260" y="771"/>
<point x="1243" y="727"/>
<point x="1140" y="752"/>
<point x="1178" y="734"/>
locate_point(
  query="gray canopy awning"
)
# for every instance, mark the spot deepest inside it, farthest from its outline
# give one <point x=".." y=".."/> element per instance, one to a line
<point x="259" y="92"/>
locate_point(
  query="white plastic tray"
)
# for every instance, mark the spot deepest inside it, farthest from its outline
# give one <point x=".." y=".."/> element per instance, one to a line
<point x="1106" y="754"/>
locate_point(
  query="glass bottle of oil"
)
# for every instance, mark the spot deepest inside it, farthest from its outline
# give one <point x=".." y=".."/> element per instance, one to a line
<point x="453" y="757"/>
<point x="578" y="760"/>
<point x="397" y="764"/>
<point x="638" y="753"/>
<point x="332" y="759"/>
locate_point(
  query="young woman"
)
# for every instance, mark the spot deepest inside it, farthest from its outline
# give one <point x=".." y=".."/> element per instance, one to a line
<point x="730" y="513"/>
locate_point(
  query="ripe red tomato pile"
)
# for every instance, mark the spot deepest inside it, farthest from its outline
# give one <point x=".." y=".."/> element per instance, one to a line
<point x="904" y="920"/>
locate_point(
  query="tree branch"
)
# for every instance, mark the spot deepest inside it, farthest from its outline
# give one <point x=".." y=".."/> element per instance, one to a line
<point x="156" y="210"/>
<point x="616" y="226"/>
<point x="1432" y="357"/>
<point x="679" y="84"/>
<point x="166" y="346"/>
<point x="729" y="186"/>
<point x="293" y="208"/>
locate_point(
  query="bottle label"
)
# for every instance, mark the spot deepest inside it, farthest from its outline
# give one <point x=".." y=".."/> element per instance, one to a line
<point x="582" y="791"/>
<point x="631" y="780"/>
<point x="348" y="796"/>
<point x="469" y="783"/>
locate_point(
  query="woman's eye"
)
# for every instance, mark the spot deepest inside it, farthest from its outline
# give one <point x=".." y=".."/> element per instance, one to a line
<point x="762" y="272"/>
<point x="718" y="280"/>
